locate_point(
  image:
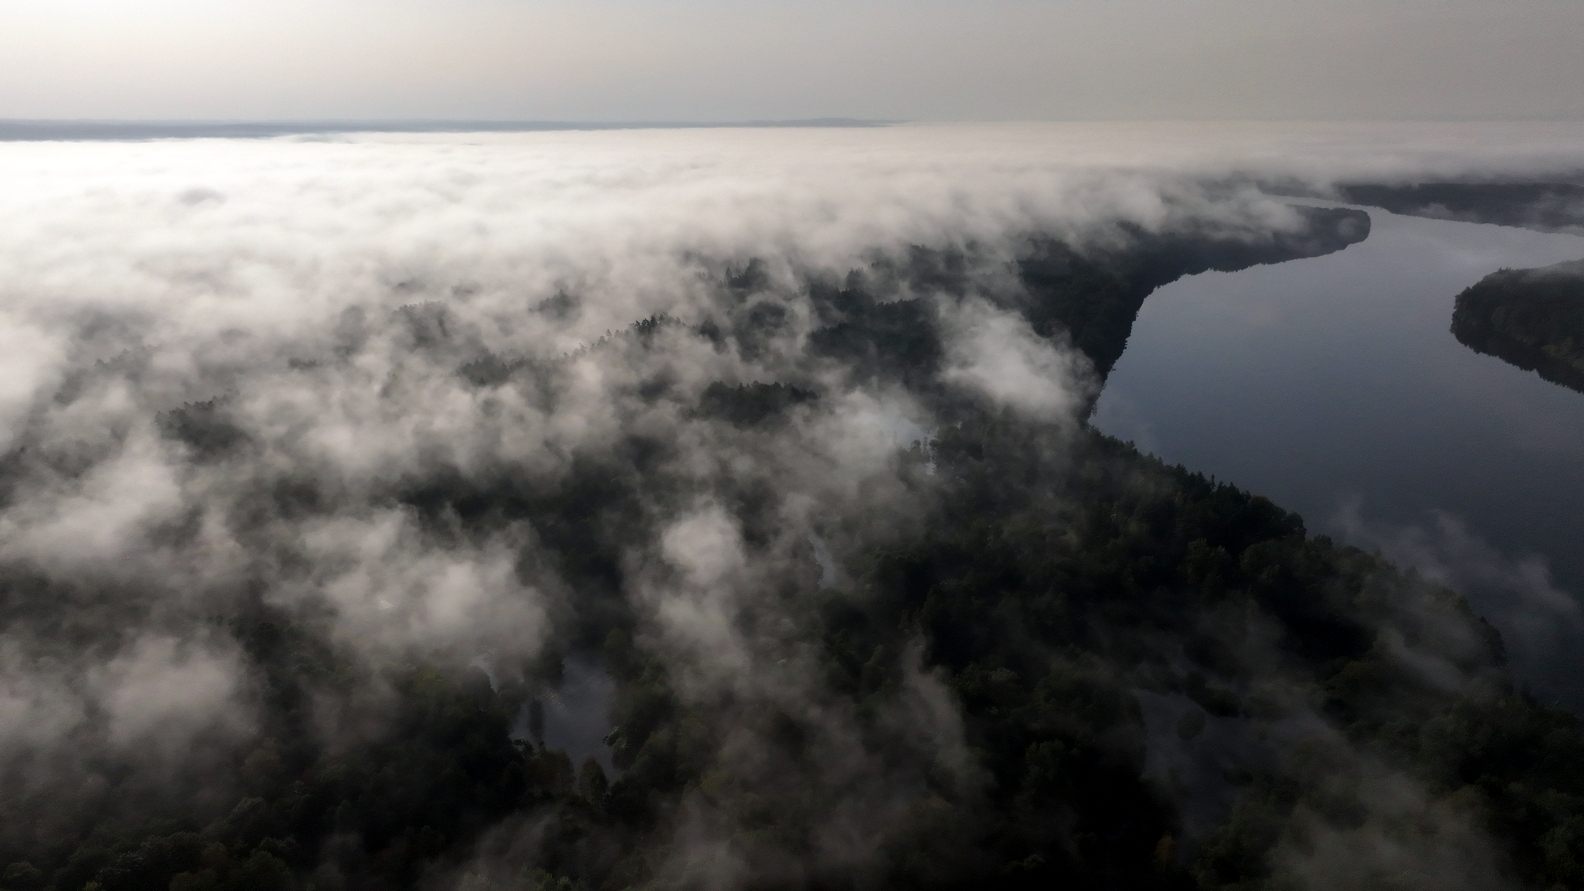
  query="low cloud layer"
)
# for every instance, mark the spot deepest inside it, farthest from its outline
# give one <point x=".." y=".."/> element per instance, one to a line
<point x="370" y="387"/>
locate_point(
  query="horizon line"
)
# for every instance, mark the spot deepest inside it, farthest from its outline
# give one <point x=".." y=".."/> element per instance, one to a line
<point x="132" y="129"/>
<point x="93" y="129"/>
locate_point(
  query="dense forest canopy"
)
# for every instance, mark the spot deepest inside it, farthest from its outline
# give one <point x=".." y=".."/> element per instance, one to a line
<point x="1533" y="318"/>
<point x="287" y="587"/>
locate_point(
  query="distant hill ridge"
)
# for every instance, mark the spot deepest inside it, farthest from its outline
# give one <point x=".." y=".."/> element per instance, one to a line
<point x="88" y="130"/>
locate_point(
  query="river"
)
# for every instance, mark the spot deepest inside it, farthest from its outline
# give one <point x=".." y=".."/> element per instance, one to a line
<point x="1334" y="386"/>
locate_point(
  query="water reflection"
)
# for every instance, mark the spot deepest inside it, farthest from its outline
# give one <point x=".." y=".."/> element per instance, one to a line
<point x="574" y="716"/>
<point x="1334" y="386"/>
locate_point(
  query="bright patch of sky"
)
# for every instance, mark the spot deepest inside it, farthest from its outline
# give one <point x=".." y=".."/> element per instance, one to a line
<point x="718" y="60"/>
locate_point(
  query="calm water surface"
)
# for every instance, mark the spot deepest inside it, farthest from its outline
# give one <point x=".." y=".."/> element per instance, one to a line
<point x="1335" y="387"/>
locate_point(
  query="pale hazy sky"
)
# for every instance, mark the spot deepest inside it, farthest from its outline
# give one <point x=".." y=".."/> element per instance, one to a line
<point x="718" y="60"/>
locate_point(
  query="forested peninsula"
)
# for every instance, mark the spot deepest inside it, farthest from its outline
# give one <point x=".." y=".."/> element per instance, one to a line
<point x="1531" y="318"/>
<point x="1546" y="206"/>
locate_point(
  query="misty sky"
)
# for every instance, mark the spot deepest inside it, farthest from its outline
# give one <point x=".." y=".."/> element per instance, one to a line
<point x="751" y="59"/>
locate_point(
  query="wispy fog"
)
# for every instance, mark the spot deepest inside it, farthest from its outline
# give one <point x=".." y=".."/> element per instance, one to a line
<point x="244" y="376"/>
